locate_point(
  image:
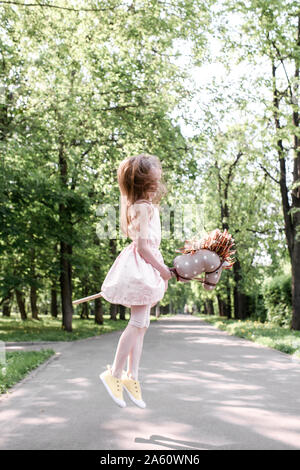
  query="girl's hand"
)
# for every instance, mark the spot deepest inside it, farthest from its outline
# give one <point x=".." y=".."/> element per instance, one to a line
<point x="166" y="274"/>
<point x="182" y="279"/>
<point x="179" y="278"/>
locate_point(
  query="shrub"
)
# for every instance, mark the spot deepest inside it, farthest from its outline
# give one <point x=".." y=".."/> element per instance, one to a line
<point x="277" y="294"/>
<point x="257" y="307"/>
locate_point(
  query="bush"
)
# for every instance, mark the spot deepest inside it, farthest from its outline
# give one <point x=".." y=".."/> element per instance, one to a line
<point x="257" y="307"/>
<point x="277" y="294"/>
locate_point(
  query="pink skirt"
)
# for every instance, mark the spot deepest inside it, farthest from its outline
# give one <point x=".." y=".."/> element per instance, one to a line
<point x="133" y="281"/>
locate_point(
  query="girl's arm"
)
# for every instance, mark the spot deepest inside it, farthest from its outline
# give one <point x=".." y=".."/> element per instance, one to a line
<point x="143" y="213"/>
<point x="146" y="253"/>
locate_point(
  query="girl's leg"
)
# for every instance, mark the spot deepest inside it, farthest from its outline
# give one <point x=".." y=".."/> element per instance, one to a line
<point x="126" y="342"/>
<point x="135" y="356"/>
<point x="130" y="337"/>
<point x="136" y="352"/>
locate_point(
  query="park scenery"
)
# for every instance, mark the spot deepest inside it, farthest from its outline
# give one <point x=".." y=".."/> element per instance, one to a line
<point x="211" y="88"/>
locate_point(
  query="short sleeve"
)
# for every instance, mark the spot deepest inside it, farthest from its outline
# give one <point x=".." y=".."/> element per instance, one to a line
<point x="140" y="215"/>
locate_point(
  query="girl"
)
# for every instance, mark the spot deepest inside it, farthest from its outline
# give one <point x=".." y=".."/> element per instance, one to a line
<point x="139" y="277"/>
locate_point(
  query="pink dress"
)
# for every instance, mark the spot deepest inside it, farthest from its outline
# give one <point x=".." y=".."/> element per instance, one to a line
<point x="131" y="280"/>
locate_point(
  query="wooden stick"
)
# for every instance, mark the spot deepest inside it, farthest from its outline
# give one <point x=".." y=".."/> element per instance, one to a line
<point x="87" y="299"/>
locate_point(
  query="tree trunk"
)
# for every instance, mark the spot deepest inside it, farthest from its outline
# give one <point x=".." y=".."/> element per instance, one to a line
<point x="113" y="307"/>
<point x="6" y="308"/>
<point x="228" y="299"/>
<point x="66" y="287"/>
<point x="224" y="182"/>
<point x="33" y="289"/>
<point x="113" y="310"/>
<point x="122" y="310"/>
<point x="65" y="247"/>
<point x="291" y="225"/>
<point x="296" y="286"/>
<point x="21" y="304"/>
<point x="33" y="302"/>
<point x="291" y="212"/>
<point x="7" y="305"/>
<point x="98" y="311"/>
<point x="85" y="305"/>
<point x="157" y="310"/>
<point x="84" y="310"/>
<point x="54" y="306"/>
<point x="221" y="306"/>
<point x="241" y="307"/>
<point x="209" y="306"/>
<point x="296" y="206"/>
<point x="237" y="278"/>
<point x="164" y="309"/>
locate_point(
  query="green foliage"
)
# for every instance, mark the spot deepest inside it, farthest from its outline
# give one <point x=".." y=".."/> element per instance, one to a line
<point x="257" y="307"/>
<point x="277" y="296"/>
<point x="84" y="87"/>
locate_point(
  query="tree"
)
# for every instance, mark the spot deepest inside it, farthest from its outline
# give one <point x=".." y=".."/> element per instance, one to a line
<point x="271" y="30"/>
<point x="237" y="195"/>
<point x="92" y="85"/>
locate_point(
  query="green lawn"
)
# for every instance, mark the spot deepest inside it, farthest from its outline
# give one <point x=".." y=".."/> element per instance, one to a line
<point x="18" y="364"/>
<point x="267" y="334"/>
<point x="49" y="329"/>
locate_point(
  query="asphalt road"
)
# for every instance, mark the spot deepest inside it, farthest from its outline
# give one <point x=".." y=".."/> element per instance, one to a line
<point x="204" y="389"/>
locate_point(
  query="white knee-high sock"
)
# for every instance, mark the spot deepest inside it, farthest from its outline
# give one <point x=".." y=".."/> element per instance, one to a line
<point x="126" y="343"/>
<point x="135" y="356"/>
<point x="129" y="339"/>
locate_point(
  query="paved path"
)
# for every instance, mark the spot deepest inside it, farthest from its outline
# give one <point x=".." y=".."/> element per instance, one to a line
<point x="204" y="390"/>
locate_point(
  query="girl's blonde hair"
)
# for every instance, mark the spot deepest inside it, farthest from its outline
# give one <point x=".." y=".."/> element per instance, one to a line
<point x="136" y="179"/>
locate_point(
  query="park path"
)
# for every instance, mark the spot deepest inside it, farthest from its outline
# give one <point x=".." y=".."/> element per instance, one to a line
<point x="204" y="389"/>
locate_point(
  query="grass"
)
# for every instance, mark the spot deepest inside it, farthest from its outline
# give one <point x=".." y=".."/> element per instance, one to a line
<point x="18" y="364"/>
<point x="49" y="329"/>
<point x="267" y="334"/>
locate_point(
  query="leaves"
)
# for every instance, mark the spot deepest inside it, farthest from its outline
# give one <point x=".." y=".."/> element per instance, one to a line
<point x="85" y="86"/>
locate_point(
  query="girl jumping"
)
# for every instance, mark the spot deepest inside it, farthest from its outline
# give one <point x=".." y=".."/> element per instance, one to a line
<point x="139" y="277"/>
